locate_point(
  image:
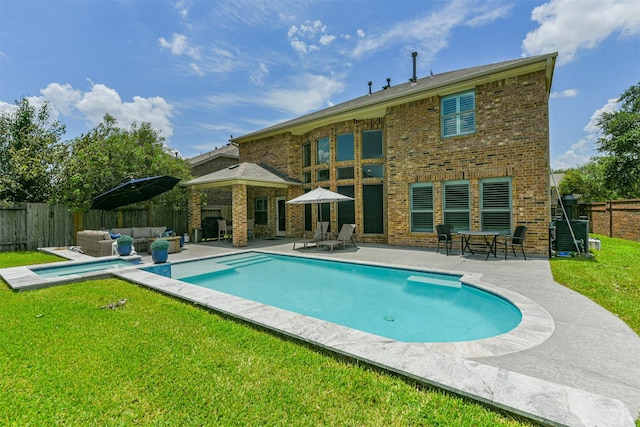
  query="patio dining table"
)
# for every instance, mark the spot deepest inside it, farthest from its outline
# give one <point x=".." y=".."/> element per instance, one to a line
<point x="489" y="245"/>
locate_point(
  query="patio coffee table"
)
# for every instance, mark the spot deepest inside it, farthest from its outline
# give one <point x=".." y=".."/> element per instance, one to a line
<point x="489" y="245"/>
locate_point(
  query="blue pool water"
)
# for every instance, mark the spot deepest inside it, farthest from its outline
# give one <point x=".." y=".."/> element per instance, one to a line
<point x="403" y="305"/>
<point x="67" y="270"/>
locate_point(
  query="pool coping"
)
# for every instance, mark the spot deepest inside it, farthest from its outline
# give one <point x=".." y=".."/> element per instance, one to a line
<point x="537" y="399"/>
<point x="533" y="398"/>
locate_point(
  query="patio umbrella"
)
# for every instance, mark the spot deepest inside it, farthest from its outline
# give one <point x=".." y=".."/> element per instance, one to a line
<point x="134" y="191"/>
<point x="317" y="196"/>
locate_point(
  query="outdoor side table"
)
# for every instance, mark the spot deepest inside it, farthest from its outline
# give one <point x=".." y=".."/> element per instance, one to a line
<point x="489" y="245"/>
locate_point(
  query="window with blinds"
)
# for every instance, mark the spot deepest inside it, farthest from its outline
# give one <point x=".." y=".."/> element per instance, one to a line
<point x="458" y="113"/>
<point x="421" y="207"/>
<point x="456" y="205"/>
<point x="495" y="205"/>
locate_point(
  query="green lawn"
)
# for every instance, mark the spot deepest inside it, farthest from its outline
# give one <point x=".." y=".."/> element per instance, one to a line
<point x="610" y="278"/>
<point x="160" y="361"/>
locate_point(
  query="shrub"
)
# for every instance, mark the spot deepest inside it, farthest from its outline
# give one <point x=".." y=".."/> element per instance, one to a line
<point x="159" y="245"/>
<point x="124" y="240"/>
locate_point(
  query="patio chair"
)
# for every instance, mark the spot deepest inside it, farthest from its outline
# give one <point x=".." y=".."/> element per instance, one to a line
<point x="222" y="230"/>
<point x="321" y="232"/>
<point x="444" y="235"/>
<point x="516" y="239"/>
<point x="344" y="237"/>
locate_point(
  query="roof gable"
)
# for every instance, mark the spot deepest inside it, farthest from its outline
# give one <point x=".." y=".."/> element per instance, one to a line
<point x="242" y="173"/>
<point x="374" y="105"/>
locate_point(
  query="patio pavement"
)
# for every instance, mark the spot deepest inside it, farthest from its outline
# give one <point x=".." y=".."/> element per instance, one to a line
<point x="590" y="348"/>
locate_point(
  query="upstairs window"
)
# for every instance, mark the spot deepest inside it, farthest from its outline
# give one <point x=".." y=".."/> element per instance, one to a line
<point x="495" y="205"/>
<point x="421" y="195"/>
<point x="458" y="114"/>
<point x="322" y="151"/>
<point x="306" y="155"/>
<point x="345" y="147"/>
<point x="456" y="209"/>
<point x="372" y="144"/>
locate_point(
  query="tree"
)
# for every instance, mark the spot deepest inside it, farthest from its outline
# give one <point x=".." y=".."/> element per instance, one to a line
<point x="29" y="151"/>
<point x="587" y="182"/>
<point x="108" y="155"/>
<point x="621" y="145"/>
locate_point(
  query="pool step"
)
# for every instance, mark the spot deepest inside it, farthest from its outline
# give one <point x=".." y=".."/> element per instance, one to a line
<point x="434" y="281"/>
<point x="247" y="261"/>
<point x="180" y="271"/>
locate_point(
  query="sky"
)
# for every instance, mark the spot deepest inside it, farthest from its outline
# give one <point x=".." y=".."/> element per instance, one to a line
<point x="203" y="71"/>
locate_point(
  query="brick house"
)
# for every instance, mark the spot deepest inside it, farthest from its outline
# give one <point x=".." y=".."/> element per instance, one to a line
<point x="468" y="148"/>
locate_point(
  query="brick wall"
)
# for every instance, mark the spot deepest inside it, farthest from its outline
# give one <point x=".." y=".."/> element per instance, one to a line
<point x="511" y="140"/>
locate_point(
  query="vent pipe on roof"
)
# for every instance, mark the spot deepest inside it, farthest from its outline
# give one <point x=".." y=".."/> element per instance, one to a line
<point x="388" y="83"/>
<point x="370" y="83"/>
<point x="413" y="79"/>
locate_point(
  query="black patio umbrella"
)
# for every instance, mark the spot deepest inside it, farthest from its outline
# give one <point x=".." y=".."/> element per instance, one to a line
<point x="134" y="191"/>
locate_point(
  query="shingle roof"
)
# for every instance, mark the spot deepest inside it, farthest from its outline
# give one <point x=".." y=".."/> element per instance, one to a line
<point x="228" y="150"/>
<point x="374" y="105"/>
<point x="249" y="173"/>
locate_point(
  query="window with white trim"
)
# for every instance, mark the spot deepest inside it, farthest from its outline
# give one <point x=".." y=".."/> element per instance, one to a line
<point x="495" y="205"/>
<point x="421" y="207"/>
<point x="456" y="205"/>
<point x="458" y="114"/>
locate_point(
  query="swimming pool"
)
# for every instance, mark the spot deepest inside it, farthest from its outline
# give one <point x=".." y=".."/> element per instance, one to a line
<point x="81" y="268"/>
<point x="400" y="304"/>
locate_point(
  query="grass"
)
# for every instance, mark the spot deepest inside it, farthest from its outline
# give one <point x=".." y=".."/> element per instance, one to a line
<point x="610" y="278"/>
<point x="161" y="361"/>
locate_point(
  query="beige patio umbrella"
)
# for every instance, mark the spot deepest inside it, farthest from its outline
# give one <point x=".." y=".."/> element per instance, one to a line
<point x="317" y="196"/>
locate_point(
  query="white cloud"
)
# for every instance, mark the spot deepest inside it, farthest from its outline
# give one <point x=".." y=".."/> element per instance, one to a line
<point x="326" y="39"/>
<point x="489" y="15"/>
<point x="583" y="150"/>
<point x="567" y="93"/>
<point x="361" y="33"/>
<point x="102" y="100"/>
<point x="609" y="107"/>
<point x="61" y="97"/>
<point x="566" y="26"/>
<point x="258" y="75"/>
<point x="430" y="34"/>
<point x="182" y="8"/>
<point x="297" y="99"/>
<point x="303" y="38"/>
<point x="179" y="45"/>
<point x="298" y="95"/>
<point x="91" y="106"/>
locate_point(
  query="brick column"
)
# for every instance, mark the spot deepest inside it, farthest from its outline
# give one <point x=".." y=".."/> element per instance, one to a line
<point x="239" y="215"/>
<point x="195" y="214"/>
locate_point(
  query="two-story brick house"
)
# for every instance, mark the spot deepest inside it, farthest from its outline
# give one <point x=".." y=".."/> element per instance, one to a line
<point x="469" y="148"/>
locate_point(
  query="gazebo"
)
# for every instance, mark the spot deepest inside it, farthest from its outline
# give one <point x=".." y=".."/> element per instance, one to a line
<point x="238" y="178"/>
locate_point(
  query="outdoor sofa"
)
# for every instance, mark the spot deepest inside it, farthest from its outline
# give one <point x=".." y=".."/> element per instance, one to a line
<point x="99" y="243"/>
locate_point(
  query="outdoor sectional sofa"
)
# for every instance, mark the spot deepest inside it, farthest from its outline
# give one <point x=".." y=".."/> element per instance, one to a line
<point x="99" y="243"/>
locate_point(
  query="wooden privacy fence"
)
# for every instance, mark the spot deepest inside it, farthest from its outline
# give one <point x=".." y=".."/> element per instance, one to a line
<point x="615" y="218"/>
<point x="30" y="226"/>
